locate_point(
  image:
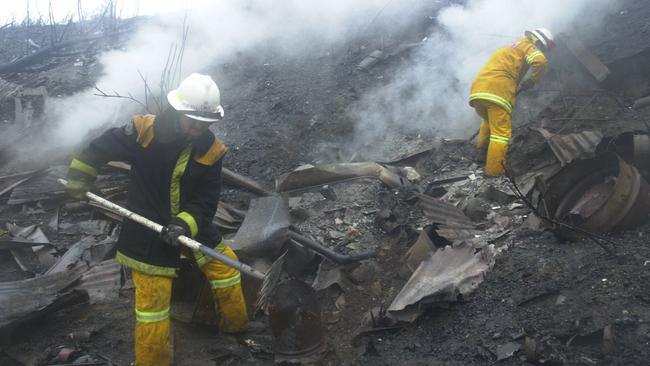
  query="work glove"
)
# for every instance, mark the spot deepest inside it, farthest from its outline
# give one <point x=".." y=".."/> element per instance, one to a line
<point x="170" y="234"/>
<point x="77" y="189"/>
<point x="525" y="85"/>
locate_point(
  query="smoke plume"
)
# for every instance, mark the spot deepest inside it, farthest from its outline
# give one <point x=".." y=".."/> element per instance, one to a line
<point x="217" y="31"/>
<point x="430" y="95"/>
<point x="427" y="96"/>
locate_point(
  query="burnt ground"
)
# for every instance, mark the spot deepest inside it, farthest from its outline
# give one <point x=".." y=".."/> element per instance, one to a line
<point x="559" y="296"/>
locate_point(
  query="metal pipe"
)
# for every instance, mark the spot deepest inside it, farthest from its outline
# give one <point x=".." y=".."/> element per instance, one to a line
<point x="329" y="253"/>
<point x="188" y="242"/>
<point x="241" y="181"/>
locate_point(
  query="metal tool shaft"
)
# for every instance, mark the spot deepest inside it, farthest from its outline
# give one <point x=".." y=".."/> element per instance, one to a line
<point x="188" y="242"/>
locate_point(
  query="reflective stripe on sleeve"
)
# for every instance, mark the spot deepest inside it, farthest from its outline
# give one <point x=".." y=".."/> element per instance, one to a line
<point x="500" y="101"/>
<point x="530" y="58"/>
<point x="226" y="282"/>
<point x="191" y="223"/>
<point x="151" y="316"/>
<point x="83" y="167"/>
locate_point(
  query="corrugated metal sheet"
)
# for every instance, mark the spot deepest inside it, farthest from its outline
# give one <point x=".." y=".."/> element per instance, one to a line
<point x="102" y="282"/>
<point x="8" y="89"/>
<point x="574" y="146"/>
<point x="40" y="188"/>
<point x="22" y="299"/>
<point x="453" y="233"/>
<point x="9" y="182"/>
<point x="443" y="213"/>
<point x="313" y="176"/>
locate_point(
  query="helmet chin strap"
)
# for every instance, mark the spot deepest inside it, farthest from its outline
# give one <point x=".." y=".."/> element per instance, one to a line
<point x="215" y="115"/>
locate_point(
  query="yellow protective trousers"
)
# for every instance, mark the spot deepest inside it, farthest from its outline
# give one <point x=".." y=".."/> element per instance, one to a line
<point x="496" y="128"/>
<point x="152" y="300"/>
<point x="152" y="307"/>
<point x="225" y="281"/>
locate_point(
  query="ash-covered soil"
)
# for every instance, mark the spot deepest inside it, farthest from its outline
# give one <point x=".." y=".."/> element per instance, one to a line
<point x="558" y="303"/>
<point x="562" y="295"/>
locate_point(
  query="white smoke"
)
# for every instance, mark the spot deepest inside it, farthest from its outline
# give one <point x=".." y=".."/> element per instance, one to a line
<point x="430" y="95"/>
<point x="217" y="30"/>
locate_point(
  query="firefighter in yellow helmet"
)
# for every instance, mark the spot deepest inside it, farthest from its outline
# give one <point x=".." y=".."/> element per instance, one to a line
<point x="495" y="88"/>
<point x="176" y="181"/>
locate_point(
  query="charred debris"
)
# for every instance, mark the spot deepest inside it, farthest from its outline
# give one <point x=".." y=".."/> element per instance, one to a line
<point x="374" y="250"/>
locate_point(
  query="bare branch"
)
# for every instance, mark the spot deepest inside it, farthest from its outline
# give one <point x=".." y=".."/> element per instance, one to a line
<point x="148" y="91"/>
<point x="169" y="77"/>
<point x="65" y="29"/>
<point x="9" y="24"/>
<point x="80" y="17"/>
<point x="53" y="36"/>
<point x="101" y="93"/>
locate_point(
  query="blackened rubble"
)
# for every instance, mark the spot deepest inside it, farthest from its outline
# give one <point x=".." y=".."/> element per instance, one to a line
<point x="512" y="291"/>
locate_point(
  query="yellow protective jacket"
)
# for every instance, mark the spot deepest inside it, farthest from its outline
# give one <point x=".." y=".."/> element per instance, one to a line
<point x="498" y="79"/>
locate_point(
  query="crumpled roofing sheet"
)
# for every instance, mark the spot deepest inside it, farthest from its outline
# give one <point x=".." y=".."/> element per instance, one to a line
<point x="443" y="276"/>
<point x="573" y="146"/>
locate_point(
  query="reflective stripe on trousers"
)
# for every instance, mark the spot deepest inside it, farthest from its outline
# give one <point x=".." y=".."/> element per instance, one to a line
<point x="501" y="139"/>
<point x="226" y="282"/>
<point x="151" y="316"/>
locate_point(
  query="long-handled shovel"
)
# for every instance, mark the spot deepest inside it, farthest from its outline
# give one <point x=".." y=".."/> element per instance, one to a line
<point x="269" y="280"/>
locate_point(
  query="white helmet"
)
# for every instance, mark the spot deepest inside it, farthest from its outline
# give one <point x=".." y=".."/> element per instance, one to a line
<point x="544" y="36"/>
<point x="197" y="97"/>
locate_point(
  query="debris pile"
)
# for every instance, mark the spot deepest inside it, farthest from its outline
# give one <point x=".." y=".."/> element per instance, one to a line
<point x="77" y="265"/>
<point x="415" y="259"/>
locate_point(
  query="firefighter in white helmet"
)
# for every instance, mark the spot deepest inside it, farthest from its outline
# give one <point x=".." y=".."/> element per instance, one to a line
<point x="175" y="180"/>
<point x="495" y="88"/>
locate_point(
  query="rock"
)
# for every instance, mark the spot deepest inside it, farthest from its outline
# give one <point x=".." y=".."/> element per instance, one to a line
<point x="507" y="350"/>
<point x="340" y="302"/>
<point x="530" y="348"/>
<point x="352" y="233"/>
<point x="376" y="289"/>
<point x="294" y="202"/>
<point x="336" y="235"/>
<point x="80" y="336"/>
<point x="412" y="174"/>
<point x="608" y="339"/>
<point x="374" y="57"/>
<point x="355" y="246"/>
<point x="475" y="210"/>
<point x="533" y="223"/>
<point x="334" y="317"/>
<point x="363" y="272"/>
<point x="492" y="194"/>
<point x="328" y="192"/>
<point x="300" y="214"/>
